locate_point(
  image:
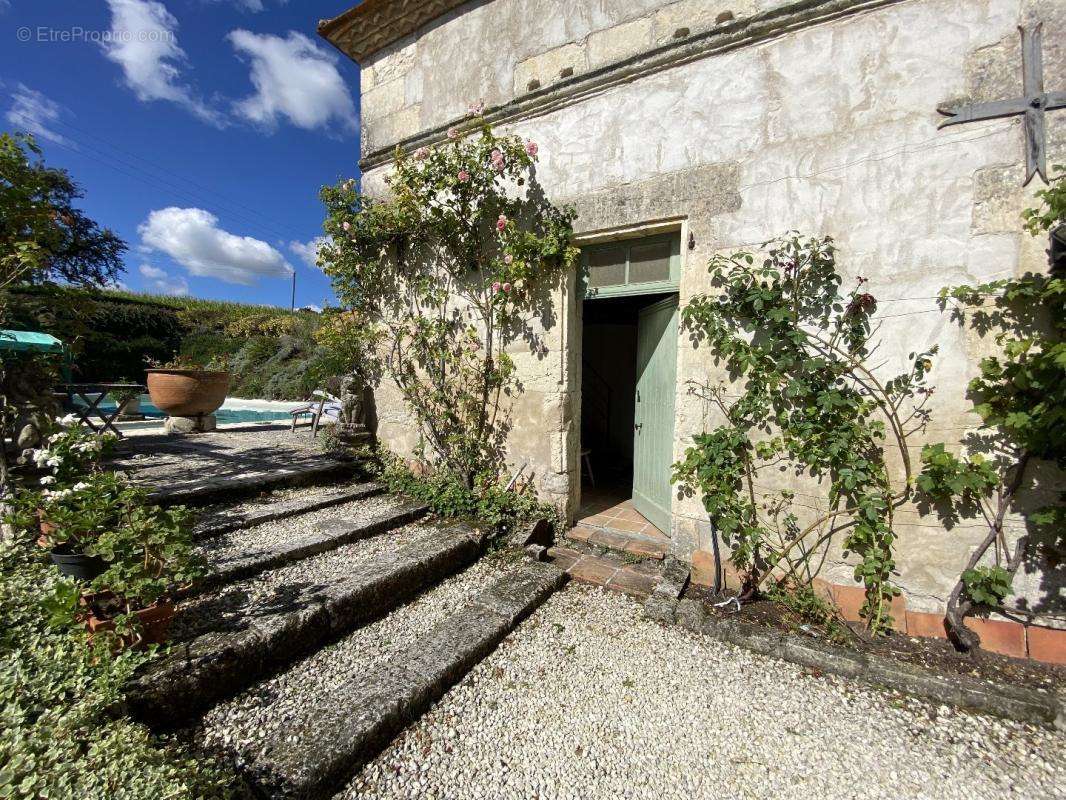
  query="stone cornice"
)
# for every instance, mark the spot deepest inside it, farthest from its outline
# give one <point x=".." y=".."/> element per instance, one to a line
<point x="720" y="39"/>
<point x="373" y="24"/>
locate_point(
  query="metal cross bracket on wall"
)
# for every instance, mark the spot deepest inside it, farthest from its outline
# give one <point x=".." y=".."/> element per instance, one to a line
<point x="1033" y="105"/>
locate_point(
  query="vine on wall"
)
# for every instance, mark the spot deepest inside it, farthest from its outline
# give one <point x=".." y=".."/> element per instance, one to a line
<point x="440" y="277"/>
<point x="1020" y="395"/>
<point x="797" y="348"/>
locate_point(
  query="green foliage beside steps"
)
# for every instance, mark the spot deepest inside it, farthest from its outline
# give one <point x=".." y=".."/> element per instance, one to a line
<point x="488" y="505"/>
<point x="63" y="735"/>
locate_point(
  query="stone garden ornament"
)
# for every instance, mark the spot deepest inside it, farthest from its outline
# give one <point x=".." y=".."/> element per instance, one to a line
<point x="1034" y="102"/>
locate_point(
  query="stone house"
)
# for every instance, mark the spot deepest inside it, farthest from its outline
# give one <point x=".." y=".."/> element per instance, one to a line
<point x="682" y="128"/>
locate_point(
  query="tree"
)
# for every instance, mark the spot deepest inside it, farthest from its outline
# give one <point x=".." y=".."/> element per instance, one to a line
<point x="441" y="276"/>
<point x="43" y="237"/>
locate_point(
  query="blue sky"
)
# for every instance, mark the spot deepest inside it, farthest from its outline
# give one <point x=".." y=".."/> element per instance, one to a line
<point x="200" y="130"/>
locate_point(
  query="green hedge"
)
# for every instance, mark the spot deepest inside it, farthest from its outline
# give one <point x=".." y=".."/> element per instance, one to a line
<point x="271" y="351"/>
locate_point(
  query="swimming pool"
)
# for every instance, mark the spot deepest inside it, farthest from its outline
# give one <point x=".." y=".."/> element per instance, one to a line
<point x="234" y="409"/>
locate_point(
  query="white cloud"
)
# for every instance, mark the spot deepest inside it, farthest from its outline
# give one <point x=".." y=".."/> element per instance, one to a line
<point x="144" y="43"/>
<point x="255" y="6"/>
<point x="34" y="113"/>
<point x="159" y="281"/>
<point x="312" y="307"/>
<point x="293" y="78"/>
<point x="191" y="237"/>
<point x="308" y="251"/>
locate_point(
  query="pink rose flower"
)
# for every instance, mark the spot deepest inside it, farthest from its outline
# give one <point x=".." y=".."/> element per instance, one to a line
<point x="508" y="259"/>
<point x="453" y="133"/>
<point x="346" y="225"/>
<point x="495" y="286"/>
<point x="531" y="147"/>
<point x="422" y="153"/>
<point x="463" y="176"/>
<point x="477" y="108"/>
<point x="501" y="223"/>
<point x="506" y="287"/>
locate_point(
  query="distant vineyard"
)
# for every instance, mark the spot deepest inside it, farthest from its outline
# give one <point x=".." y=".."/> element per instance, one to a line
<point x="272" y="353"/>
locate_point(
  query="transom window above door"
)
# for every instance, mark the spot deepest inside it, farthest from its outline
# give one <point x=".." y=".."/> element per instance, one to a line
<point x="632" y="266"/>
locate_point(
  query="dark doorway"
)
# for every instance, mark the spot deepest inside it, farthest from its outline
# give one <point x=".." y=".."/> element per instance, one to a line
<point x="608" y="392"/>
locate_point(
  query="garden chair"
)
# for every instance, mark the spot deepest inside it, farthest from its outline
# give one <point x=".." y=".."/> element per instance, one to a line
<point x="322" y="404"/>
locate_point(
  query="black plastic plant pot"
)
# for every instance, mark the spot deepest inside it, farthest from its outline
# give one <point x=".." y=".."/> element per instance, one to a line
<point x="78" y="565"/>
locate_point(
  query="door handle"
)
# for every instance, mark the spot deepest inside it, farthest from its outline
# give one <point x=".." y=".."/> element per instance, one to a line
<point x="637" y="426"/>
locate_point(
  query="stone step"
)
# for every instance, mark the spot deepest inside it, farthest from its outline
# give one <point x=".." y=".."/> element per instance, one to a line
<point x="239" y="728"/>
<point x="315" y="751"/>
<point x="249" y="482"/>
<point x="243" y="553"/>
<point x="634" y="579"/>
<point x="225" y="641"/>
<point x="632" y="545"/>
<point x="221" y="520"/>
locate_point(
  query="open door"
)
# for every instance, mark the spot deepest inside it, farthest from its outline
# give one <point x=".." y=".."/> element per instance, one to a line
<point x="653" y="429"/>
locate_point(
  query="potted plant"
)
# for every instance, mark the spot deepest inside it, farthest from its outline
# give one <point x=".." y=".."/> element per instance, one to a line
<point x="149" y="557"/>
<point x="128" y="558"/>
<point x="66" y="454"/>
<point x="182" y="388"/>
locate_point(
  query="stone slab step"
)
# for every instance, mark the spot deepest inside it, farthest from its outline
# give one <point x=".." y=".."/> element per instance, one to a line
<point x="313" y="758"/>
<point x="220" y="488"/>
<point x="198" y="673"/>
<point x="637" y="580"/>
<point x="225" y="520"/>
<point x="328" y="536"/>
<point x="634" y="544"/>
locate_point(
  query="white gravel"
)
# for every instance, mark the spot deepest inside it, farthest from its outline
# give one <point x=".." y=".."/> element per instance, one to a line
<point x="588" y="700"/>
<point x="274" y="590"/>
<point x="225" y="547"/>
<point x="240" y="725"/>
<point x="226" y="511"/>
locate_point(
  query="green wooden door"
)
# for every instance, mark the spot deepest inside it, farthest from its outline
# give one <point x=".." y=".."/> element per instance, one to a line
<point x="653" y="434"/>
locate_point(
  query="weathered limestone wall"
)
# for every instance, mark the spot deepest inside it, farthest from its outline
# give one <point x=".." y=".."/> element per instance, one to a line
<point x="828" y="128"/>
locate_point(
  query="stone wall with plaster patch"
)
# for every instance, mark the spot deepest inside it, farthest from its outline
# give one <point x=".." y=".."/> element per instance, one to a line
<point x="828" y="128"/>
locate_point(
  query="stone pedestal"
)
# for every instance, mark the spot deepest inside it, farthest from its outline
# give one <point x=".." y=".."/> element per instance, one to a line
<point x="179" y="426"/>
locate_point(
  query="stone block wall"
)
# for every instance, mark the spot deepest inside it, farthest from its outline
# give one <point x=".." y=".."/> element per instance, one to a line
<point x="763" y="117"/>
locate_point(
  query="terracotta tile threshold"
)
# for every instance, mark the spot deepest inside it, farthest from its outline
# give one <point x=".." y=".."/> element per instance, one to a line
<point x="635" y="580"/>
<point x="620" y="540"/>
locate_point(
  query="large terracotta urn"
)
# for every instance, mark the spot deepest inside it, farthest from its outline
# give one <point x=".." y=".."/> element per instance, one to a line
<point x="187" y="392"/>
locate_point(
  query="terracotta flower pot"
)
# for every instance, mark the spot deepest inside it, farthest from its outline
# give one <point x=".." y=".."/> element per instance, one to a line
<point x="154" y="620"/>
<point x="46" y="530"/>
<point x="187" y="392"/>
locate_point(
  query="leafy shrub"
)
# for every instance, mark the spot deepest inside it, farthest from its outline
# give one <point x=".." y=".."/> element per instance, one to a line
<point x="487" y="504"/>
<point x="61" y="731"/>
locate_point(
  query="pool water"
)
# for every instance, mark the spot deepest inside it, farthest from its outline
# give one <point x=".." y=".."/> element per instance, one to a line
<point x="223" y="415"/>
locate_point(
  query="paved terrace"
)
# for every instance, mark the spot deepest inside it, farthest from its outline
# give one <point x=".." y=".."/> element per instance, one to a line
<point x="199" y="468"/>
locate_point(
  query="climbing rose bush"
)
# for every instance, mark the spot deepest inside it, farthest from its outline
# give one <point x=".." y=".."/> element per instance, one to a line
<point x="442" y="275"/>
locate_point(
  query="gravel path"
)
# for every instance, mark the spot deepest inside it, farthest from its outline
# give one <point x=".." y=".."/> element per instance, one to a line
<point x="223" y="548"/>
<point x="285" y="699"/>
<point x="217" y="513"/>
<point x="272" y="591"/>
<point x="588" y="700"/>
